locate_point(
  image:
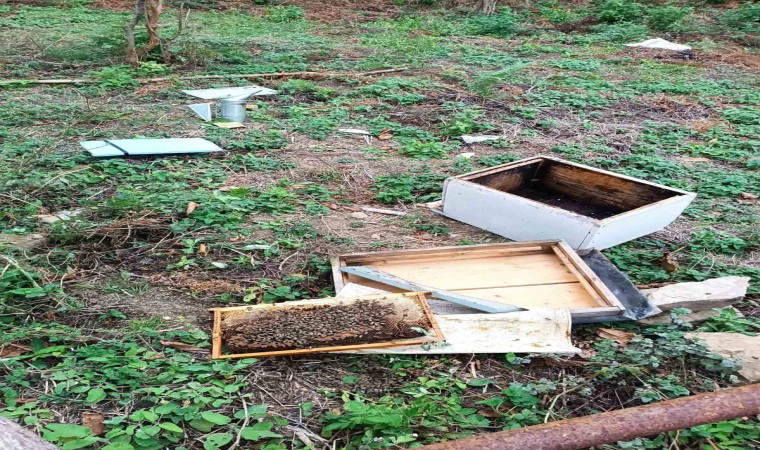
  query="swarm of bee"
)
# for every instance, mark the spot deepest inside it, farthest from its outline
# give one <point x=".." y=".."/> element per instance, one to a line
<point x="360" y="322"/>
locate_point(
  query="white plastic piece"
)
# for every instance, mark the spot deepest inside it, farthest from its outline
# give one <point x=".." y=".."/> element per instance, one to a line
<point x="60" y="215"/>
<point x="238" y="93"/>
<point x="660" y="43"/>
<point x="475" y="139"/>
<point x="140" y="147"/>
<point x="203" y="110"/>
<point x="355" y="131"/>
<point x="390" y="212"/>
<point x="534" y="331"/>
<point x="466" y="155"/>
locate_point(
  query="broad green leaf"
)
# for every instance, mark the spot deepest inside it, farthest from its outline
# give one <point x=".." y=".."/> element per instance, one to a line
<point x="259" y="431"/>
<point x="79" y="443"/>
<point x="168" y="426"/>
<point x="518" y="396"/>
<point x="66" y="430"/>
<point x="94" y="396"/>
<point x="255" y="412"/>
<point x="201" y="424"/>
<point x="216" y="440"/>
<point x="215" y="418"/>
<point x="118" y="446"/>
<point x="478" y="382"/>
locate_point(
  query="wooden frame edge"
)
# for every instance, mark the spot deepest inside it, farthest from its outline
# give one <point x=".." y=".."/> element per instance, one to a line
<point x="590" y="277"/>
<point x="421" y="297"/>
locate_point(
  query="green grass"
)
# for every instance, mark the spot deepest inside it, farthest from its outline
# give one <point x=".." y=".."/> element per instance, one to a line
<point x="552" y="79"/>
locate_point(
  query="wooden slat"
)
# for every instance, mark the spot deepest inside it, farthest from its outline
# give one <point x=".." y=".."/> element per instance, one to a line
<point x="303" y="351"/>
<point x="510" y="179"/>
<point x="591" y="277"/>
<point x="570" y="266"/>
<point x="216" y="335"/>
<point x="449" y="256"/>
<point x="422" y="298"/>
<point x="452" y="251"/>
<point x="553" y="296"/>
<point x="339" y="280"/>
<point x="600" y="188"/>
<point x="481" y="272"/>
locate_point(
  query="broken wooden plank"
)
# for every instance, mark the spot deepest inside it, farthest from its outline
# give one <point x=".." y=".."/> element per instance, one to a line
<point x="700" y="295"/>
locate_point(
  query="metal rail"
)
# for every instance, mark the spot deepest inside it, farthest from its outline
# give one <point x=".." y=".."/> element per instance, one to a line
<point x="621" y="425"/>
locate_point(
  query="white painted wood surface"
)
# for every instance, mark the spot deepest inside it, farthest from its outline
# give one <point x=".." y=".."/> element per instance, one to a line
<point x="511" y="216"/>
<point x="638" y="222"/>
<point x="522" y="219"/>
<point x="535" y="331"/>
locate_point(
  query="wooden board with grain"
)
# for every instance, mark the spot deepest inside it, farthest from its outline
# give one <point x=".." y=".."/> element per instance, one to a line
<point x="539" y="274"/>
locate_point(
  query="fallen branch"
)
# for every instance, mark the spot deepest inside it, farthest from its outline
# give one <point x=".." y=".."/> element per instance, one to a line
<point x="216" y="77"/>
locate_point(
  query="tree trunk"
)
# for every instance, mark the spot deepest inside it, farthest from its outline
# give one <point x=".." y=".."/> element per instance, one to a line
<point x="14" y="436"/>
<point x="487" y="7"/>
<point x="150" y="12"/>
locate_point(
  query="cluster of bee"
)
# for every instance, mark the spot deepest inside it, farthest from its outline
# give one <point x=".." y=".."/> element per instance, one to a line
<point x="312" y="326"/>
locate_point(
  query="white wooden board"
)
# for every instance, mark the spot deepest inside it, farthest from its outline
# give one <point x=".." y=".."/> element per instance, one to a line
<point x="522" y="219"/>
<point x="535" y="331"/>
<point x="230" y="92"/>
<point x="141" y="147"/>
<point x="512" y="216"/>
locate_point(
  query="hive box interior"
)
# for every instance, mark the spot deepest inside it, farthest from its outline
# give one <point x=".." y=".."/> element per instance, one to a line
<point x="577" y="189"/>
<point x="541" y="274"/>
<point x="548" y="198"/>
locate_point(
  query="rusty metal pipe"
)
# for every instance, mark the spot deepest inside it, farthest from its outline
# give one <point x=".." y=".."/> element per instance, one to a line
<point x="620" y="425"/>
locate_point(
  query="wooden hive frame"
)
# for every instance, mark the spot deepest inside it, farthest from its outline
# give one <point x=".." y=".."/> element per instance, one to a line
<point x="539" y="268"/>
<point x="217" y="344"/>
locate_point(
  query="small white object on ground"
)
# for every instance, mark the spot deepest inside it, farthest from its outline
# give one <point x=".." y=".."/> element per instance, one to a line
<point x="203" y="110"/>
<point x="734" y="346"/>
<point x="359" y="215"/>
<point x="475" y="139"/>
<point x="660" y="44"/>
<point x="140" y="147"/>
<point x="467" y="155"/>
<point x="60" y="215"/>
<point x="240" y="93"/>
<point x="700" y="295"/>
<point x="229" y="125"/>
<point x="383" y="211"/>
<point x="355" y="131"/>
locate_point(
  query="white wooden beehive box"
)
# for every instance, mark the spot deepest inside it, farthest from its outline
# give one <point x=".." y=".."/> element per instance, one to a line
<point x="549" y="198"/>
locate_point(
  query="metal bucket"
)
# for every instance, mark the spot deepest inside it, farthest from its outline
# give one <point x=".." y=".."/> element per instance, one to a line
<point x="233" y="110"/>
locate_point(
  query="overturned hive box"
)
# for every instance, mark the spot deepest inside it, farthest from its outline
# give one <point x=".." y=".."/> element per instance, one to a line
<point x="549" y="198"/>
<point x="323" y="325"/>
<point x="540" y="274"/>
